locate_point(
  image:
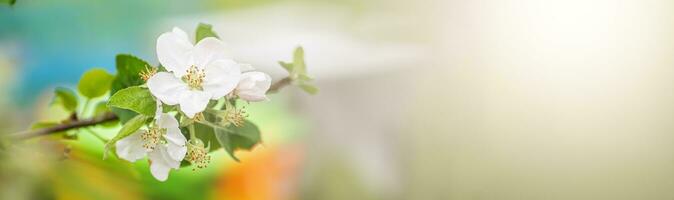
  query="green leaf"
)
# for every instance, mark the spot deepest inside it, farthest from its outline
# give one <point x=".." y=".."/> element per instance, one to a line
<point x="129" y="68"/>
<point x="207" y="135"/>
<point x="124" y="115"/>
<point x="288" y="66"/>
<point x="304" y="78"/>
<point x="95" y="83"/>
<point x="308" y="88"/>
<point x="66" y="97"/>
<point x="298" y="61"/>
<point x="102" y="108"/>
<point x="136" y="99"/>
<point x="204" y="31"/>
<point x="236" y="138"/>
<point x="298" y="72"/>
<point x="129" y="128"/>
<point x="9" y="2"/>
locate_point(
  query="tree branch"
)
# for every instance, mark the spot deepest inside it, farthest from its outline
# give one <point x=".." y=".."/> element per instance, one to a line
<point x="74" y="123"/>
<point x="66" y="126"/>
<point x="278" y="85"/>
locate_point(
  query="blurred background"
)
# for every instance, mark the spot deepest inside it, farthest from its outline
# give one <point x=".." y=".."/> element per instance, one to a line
<point x="427" y="99"/>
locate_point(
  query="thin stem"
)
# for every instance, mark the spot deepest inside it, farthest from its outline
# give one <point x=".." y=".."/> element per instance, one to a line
<point x="221" y="102"/>
<point x="66" y="126"/>
<point x="96" y="135"/>
<point x="84" y="107"/>
<point x="192" y="132"/>
<point x="278" y="85"/>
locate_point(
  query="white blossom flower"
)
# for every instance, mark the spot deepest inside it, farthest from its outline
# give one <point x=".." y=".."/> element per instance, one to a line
<point x="163" y="142"/>
<point x="199" y="72"/>
<point x="253" y="86"/>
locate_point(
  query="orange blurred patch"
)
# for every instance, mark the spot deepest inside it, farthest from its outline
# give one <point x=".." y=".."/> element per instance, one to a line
<point x="266" y="173"/>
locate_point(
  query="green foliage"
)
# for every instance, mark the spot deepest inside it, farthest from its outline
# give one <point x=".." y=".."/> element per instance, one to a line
<point x="311" y="89"/>
<point x="95" y="83"/>
<point x="65" y="97"/>
<point x="236" y="138"/>
<point x="129" y="128"/>
<point x="298" y="72"/>
<point x="204" y="31"/>
<point x="136" y="99"/>
<point x="8" y="2"/>
<point x="129" y="68"/>
<point x="207" y="134"/>
<point x="100" y="109"/>
<point x="124" y="115"/>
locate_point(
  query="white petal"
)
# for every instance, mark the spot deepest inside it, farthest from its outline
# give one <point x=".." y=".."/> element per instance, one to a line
<point x="131" y="147"/>
<point x="176" y="140"/>
<point x="208" y="50"/>
<point x="166" y="87"/>
<point x="159" y="110"/>
<point x="246" y="67"/>
<point x="221" y="77"/>
<point x="174" y="51"/>
<point x="167" y="121"/>
<point x="161" y="163"/>
<point x="180" y="34"/>
<point x="253" y="86"/>
<point x="159" y="171"/>
<point x="193" y="102"/>
<point x="176" y="152"/>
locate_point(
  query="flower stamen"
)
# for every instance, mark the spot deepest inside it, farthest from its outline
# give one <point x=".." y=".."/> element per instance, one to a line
<point x="148" y="72"/>
<point x="195" y="77"/>
<point x="197" y="154"/>
<point x="236" y="116"/>
<point x="152" y="137"/>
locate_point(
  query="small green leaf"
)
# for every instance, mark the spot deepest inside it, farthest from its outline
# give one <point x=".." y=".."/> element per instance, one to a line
<point x="308" y="88"/>
<point x="129" y="68"/>
<point x="129" y="128"/>
<point x="136" y="99"/>
<point x="304" y="77"/>
<point x="95" y="83"/>
<point x="298" y="72"/>
<point x="244" y="137"/>
<point x="287" y="66"/>
<point x="298" y="61"/>
<point x="9" y="2"/>
<point x="204" y="31"/>
<point x="66" y="97"/>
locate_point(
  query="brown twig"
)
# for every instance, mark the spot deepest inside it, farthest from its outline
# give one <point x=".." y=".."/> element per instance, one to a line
<point x="75" y="123"/>
<point x="66" y="126"/>
<point x="278" y="85"/>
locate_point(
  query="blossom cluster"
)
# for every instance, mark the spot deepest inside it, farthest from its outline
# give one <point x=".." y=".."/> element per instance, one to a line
<point x="194" y="75"/>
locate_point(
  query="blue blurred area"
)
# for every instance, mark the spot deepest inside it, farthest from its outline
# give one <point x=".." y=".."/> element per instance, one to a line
<point x="59" y="40"/>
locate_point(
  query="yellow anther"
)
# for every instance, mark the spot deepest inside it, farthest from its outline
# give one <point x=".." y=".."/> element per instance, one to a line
<point x="194" y="77"/>
<point x="148" y="72"/>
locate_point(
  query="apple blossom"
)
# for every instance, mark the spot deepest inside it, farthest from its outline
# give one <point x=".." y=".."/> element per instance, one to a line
<point x="253" y="86"/>
<point x="196" y="73"/>
<point x="162" y="142"/>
